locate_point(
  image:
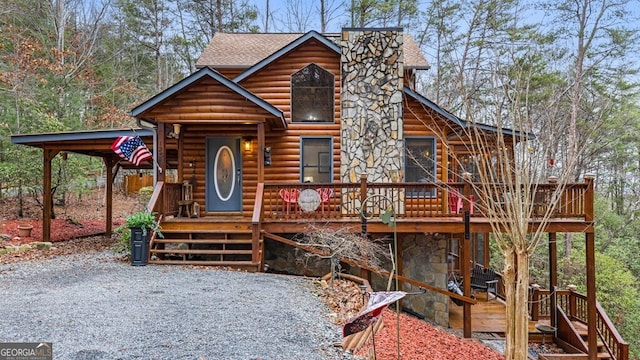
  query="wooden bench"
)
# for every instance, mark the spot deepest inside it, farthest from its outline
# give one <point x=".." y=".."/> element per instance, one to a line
<point x="485" y="279"/>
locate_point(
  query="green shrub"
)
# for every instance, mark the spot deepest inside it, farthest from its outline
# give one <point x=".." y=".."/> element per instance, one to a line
<point x="123" y="246"/>
<point x="145" y="220"/>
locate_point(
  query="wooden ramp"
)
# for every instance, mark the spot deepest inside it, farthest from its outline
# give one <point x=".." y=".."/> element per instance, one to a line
<point x="210" y="241"/>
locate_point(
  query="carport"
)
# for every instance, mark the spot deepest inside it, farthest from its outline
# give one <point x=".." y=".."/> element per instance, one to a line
<point x="95" y="143"/>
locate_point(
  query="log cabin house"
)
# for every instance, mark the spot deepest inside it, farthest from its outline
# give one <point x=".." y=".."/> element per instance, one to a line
<point x="278" y="134"/>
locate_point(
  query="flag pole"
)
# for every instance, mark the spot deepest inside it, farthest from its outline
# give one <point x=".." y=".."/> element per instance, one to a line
<point x="155" y="151"/>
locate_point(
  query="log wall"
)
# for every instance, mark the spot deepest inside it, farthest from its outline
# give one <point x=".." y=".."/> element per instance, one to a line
<point x="273" y="84"/>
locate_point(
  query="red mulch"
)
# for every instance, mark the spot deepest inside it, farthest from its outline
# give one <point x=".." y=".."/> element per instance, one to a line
<point x="61" y="229"/>
<point x="421" y="341"/>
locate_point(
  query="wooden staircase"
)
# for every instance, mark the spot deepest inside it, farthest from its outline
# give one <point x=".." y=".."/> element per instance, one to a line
<point x="204" y="241"/>
<point x="583" y="331"/>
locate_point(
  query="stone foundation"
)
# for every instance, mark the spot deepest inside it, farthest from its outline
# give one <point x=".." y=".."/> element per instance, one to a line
<point x="282" y="258"/>
<point x="425" y="260"/>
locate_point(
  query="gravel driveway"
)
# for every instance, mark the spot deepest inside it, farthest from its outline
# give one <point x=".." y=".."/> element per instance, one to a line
<point x="91" y="306"/>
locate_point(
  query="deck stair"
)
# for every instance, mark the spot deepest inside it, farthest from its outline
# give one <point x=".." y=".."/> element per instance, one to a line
<point x="583" y="331"/>
<point x="201" y="242"/>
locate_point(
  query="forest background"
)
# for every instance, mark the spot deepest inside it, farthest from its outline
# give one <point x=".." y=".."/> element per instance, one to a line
<point x="82" y="64"/>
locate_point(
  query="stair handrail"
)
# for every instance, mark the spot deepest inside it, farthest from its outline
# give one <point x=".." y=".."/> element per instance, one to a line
<point x="256" y="226"/>
<point x="152" y="206"/>
<point x="606" y="331"/>
<point x="154" y="201"/>
<point x="611" y="339"/>
<point x="568" y="333"/>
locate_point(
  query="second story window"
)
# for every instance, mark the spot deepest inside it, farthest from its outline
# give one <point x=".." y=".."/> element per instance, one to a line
<point x="312" y="90"/>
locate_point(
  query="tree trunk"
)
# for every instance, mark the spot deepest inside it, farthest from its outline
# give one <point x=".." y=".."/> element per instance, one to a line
<point x="509" y="276"/>
<point x="516" y="283"/>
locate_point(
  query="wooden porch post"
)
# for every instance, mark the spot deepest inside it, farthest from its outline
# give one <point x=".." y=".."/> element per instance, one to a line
<point x="466" y="275"/>
<point x="48" y="155"/>
<point x="592" y="341"/>
<point x="553" y="276"/>
<point x="261" y="145"/>
<point x="109" y="162"/>
<point x="162" y="164"/>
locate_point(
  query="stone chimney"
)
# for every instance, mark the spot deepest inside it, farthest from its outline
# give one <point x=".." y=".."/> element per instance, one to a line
<point x="371" y="99"/>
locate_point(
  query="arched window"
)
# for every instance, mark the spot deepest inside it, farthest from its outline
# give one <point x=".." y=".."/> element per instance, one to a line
<point x="312" y="90"/>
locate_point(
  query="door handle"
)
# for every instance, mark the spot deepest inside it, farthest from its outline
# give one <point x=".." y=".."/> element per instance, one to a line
<point x="238" y="173"/>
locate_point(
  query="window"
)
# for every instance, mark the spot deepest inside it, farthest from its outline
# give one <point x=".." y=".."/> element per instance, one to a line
<point x="420" y="164"/>
<point x="467" y="164"/>
<point x="312" y="90"/>
<point x="317" y="160"/>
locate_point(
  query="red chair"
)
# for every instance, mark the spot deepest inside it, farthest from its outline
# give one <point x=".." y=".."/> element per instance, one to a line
<point x="455" y="202"/>
<point x="325" y="195"/>
<point x="289" y="196"/>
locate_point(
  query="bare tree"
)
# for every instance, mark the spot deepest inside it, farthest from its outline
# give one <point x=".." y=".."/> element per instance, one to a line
<point x="508" y="166"/>
<point x="329" y="11"/>
<point x="298" y="15"/>
<point x="343" y="244"/>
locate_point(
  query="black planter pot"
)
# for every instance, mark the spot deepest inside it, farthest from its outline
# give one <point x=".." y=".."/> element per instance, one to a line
<point x="139" y="246"/>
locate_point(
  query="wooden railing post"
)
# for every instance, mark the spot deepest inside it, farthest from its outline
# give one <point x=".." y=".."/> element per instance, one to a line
<point x="364" y="273"/>
<point x="535" y="302"/>
<point x="466" y="193"/>
<point x="363" y="191"/>
<point x="572" y="302"/>
<point x="589" y="197"/>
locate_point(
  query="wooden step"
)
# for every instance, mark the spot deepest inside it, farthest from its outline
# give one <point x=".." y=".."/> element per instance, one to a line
<point x="204" y="241"/>
<point x="201" y="252"/>
<point x="206" y="231"/>
<point x="206" y="263"/>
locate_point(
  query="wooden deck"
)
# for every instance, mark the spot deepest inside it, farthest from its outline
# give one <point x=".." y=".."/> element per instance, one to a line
<point x="487" y="317"/>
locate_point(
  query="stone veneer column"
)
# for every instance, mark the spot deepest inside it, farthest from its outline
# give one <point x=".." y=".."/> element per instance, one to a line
<point x="372" y="86"/>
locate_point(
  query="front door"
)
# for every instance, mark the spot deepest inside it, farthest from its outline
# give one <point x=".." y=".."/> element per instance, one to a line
<point x="224" y="174"/>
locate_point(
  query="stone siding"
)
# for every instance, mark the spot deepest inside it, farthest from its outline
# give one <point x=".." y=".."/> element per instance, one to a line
<point x="372" y="92"/>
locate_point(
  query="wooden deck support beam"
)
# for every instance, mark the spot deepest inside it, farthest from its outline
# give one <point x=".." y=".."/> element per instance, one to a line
<point x="466" y="274"/>
<point x="590" y="259"/>
<point x="592" y="341"/>
<point x="553" y="276"/>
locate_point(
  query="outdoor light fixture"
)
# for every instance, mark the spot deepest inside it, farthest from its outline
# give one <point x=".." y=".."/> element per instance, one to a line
<point x="175" y="134"/>
<point x="247" y="144"/>
<point x="267" y="156"/>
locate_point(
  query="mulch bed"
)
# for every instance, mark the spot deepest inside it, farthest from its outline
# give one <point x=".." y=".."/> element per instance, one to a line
<point x="61" y="229"/>
<point x="421" y="341"/>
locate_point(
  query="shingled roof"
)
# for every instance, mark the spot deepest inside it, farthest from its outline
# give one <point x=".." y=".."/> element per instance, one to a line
<point x="243" y="50"/>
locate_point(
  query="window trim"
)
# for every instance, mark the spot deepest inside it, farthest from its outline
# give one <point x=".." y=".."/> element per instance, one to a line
<point x="332" y="119"/>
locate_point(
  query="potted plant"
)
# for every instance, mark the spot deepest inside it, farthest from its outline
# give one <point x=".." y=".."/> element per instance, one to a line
<point x="140" y="224"/>
<point x="24" y="230"/>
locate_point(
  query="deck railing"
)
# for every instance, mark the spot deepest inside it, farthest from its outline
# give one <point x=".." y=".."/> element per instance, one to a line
<point x="326" y="201"/>
<point x="574" y="305"/>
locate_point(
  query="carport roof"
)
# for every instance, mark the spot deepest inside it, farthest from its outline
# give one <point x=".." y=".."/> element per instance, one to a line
<point x="90" y="142"/>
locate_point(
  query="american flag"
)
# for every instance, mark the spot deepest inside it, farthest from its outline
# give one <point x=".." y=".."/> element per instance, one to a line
<point x="131" y="148"/>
